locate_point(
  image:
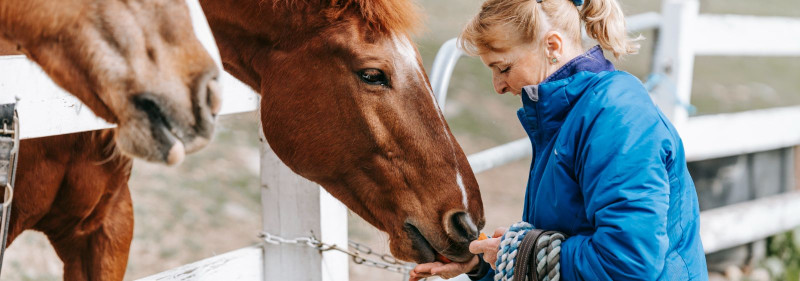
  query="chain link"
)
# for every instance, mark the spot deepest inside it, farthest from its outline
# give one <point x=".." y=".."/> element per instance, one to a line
<point x="358" y="252"/>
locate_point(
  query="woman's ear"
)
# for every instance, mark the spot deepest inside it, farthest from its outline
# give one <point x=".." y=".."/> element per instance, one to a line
<point x="554" y="45"/>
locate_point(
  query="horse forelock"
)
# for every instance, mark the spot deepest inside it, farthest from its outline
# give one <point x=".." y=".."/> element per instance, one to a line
<point x="384" y="16"/>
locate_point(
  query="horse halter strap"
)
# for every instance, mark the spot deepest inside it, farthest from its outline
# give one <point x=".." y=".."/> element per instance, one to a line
<point x="9" y="146"/>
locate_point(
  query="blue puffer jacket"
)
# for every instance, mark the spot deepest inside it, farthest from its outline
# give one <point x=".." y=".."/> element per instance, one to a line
<point x="609" y="171"/>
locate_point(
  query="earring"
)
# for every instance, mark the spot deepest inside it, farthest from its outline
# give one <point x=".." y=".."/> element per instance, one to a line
<point x="554" y="60"/>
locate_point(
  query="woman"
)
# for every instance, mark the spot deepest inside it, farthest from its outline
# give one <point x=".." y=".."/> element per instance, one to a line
<point x="608" y="170"/>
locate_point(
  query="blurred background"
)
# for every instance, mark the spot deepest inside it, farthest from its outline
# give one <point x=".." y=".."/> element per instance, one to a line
<point x="211" y="204"/>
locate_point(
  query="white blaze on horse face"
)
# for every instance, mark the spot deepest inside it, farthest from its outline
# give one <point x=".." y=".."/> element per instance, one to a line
<point x="463" y="190"/>
<point x="409" y="55"/>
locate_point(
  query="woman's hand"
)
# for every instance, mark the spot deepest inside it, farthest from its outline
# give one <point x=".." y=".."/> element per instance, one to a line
<point x="445" y="271"/>
<point x="488" y="247"/>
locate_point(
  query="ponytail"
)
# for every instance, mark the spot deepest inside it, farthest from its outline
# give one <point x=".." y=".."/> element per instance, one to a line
<point x="606" y="24"/>
<point x="531" y="19"/>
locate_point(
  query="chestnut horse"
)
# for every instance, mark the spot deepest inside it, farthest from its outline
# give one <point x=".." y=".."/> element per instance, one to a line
<point x="136" y="63"/>
<point x="346" y="103"/>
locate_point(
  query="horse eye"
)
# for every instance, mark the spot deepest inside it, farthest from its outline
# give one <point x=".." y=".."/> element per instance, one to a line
<point x="373" y="76"/>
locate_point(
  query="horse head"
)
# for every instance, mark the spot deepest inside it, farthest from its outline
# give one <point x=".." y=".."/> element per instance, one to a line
<point x="346" y="103"/>
<point x="136" y="63"/>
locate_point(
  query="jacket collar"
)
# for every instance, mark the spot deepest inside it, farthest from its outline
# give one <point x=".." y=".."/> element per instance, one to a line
<point x="545" y="106"/>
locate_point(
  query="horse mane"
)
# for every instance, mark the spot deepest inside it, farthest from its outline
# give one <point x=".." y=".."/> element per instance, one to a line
<point x="384" y="16"/>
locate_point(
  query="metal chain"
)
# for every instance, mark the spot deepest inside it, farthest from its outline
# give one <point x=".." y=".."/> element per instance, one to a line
<point x="358" y="252"/>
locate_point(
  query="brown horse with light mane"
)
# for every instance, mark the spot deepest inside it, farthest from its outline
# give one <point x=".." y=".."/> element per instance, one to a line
<point x="345" y="103"/>
<point x="136" y="63"/>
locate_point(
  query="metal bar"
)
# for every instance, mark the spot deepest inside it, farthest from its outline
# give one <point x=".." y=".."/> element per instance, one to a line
<point x="500" y="155"/>
<point x="442" y="69"/>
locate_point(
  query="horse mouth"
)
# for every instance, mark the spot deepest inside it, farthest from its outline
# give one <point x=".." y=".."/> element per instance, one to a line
<point x="424" y="249"/>
<point x="167" y="137"/>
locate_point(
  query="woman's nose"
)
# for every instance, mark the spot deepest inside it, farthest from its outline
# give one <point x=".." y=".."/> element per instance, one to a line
<point x="499" y="85"/>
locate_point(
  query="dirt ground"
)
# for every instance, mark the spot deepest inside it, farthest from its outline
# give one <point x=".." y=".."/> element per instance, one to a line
<point x="210" y="204"/>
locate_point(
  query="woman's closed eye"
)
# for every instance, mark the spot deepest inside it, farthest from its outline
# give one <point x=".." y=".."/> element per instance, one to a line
<point x="504" y="70"/>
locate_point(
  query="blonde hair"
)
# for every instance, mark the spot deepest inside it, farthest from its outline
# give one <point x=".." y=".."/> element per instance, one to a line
<point x="603" y="19"/>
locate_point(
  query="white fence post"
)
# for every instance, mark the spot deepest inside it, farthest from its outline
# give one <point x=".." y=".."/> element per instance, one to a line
<point x="295" y="207"/>
<point x="674" y="60"/>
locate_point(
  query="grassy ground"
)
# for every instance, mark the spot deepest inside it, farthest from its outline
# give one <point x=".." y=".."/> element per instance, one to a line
<point x="210" y="204"/>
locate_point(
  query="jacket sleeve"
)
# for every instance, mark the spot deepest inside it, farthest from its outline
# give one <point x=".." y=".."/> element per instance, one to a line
<point x="622" y="171"/>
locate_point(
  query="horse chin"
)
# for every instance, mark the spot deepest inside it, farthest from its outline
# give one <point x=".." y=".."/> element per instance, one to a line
<point x="424" y="252"/>
<point x="421" y="249"/>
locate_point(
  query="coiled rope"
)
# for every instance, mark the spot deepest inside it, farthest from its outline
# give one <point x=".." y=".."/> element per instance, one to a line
<point x="546" y="251"/>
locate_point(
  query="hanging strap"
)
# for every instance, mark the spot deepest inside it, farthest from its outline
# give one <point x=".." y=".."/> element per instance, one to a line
<point x="9" y="146"/>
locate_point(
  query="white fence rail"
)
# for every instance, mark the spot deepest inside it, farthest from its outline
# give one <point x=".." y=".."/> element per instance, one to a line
<point x="733" y="35"/>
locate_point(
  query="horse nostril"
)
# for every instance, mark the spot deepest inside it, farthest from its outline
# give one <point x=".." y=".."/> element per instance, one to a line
<point x="461" y="227"/>
<point x="214" y="98"/>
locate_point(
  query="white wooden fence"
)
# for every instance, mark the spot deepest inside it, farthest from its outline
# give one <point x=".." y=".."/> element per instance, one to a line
<point x="294" y="207"/>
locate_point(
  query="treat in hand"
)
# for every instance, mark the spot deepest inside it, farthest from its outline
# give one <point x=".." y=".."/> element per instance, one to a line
<point x="443" y="259"/>
<point x="483" y="236"/>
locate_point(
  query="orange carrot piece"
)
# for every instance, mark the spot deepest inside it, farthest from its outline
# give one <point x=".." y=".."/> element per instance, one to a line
<point x="443" y="259"/>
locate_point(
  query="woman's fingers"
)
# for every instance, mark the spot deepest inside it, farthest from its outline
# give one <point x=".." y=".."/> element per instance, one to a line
<point x="484" y="246"/>
<point x="499" y="232"/>
<point x="491" y="258"/>
<point x="454" y="269"/>
<point x="449" y="270"/>
<point x="446" y="271"/>
<point x="422" y="271"/>
<point x="414" y="276"/>
<point x="426" y="267"/>
<point x="488" y="248"/>
<point x="476" y="247"/>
